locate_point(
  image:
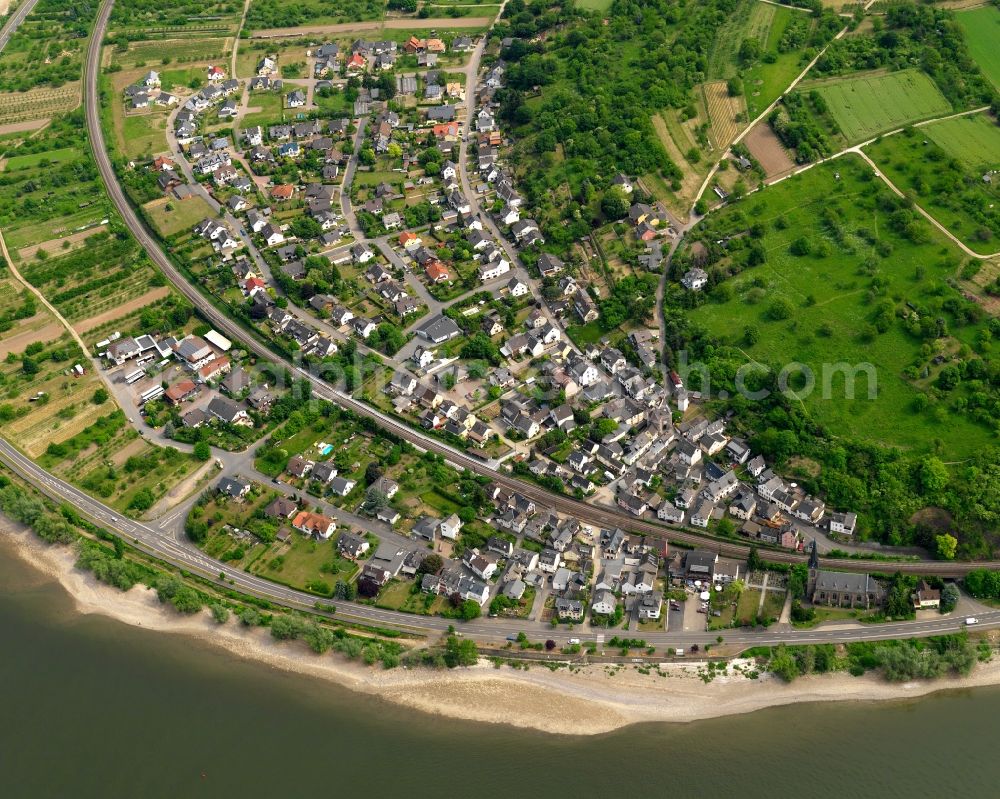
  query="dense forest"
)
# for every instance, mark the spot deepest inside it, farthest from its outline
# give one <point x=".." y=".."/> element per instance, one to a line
<point x="581" y="103"/>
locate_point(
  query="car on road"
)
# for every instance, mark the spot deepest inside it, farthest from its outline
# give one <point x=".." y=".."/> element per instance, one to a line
<point x="574" y="640"/>
<point x="972" y="620"/>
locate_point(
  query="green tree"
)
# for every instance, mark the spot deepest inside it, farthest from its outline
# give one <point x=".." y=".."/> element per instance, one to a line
<point x="615" y="203"/>
<point x="202" y="451"/>
<point x="470" y="609"/>
<point x="460" y="652"/>
<point x="798" y="580"/>
<point x="142" y="500"/>
<point x="431" y="564"/>
<point x="949" y="597"/>
<point x="946" y="546"/>
<point x="250" y="616"/>
<point x="933" y="476"/>
<point x="375" y="500"/>
<point x="783" y="664"/>
<point x="100" y="396"/>
<point x="754" y="563"/>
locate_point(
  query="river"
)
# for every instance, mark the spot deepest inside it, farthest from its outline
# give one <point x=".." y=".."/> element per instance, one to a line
<point x="95" y="708"/>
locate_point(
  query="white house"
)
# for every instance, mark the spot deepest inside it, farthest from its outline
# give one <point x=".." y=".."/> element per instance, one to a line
<point x="450" y="527"/>
<point x="604" y="603"/>
<point x="517" y="287"/>
<point x="695" y="280"/>
<point x="494" y="270"/>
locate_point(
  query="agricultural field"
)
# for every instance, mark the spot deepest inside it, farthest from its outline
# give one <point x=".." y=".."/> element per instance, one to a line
<point x="840" y="270"/>
<point x="684" y="141"/>
<point x="279" y="14"/>
<point x="105" y="273"/>
<point x="768" y="150"/>
<point x="725" y="113"/>
<point x="109" y="460"/>
<point x="51" y="197"/>
<point x="161" y="53"/>
<point x="950" y="189"/>
<point x="38" y="104"/>
<point x="40" y="401"/>
<point x="723" y="58"/>
<point x="974" y="140"/>
<point x="869" y="104"/>
<point x="982" y="34"/>
<point x="741" y="85"/>
<point x="22" y="319"/>
<point x="145" y="19"/>
<point x="594" y="5"/>
<point x="776" y="28"/>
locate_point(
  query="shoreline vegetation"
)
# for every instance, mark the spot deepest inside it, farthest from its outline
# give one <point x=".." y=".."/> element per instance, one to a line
<point x="574" y="700"/>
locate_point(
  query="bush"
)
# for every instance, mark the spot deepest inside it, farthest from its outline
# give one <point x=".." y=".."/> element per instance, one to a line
<point x="460" y="652"/>
<point x="779" y="310"/>
<point x="802" y="614"/>
<point x="143" y="500"/>
<point x="250" y="616"/>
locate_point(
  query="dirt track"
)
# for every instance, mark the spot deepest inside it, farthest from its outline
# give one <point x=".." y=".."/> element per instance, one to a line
<point x="23" y="127"/>
<point x="374" y="25"/>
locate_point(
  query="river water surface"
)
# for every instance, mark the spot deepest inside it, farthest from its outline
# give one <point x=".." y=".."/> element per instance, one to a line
<point x="90" y="707"/>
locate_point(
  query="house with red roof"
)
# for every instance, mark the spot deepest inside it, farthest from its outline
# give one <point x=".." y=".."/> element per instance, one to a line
<point x="314" y="524"/>
<point x="409" y="240"/>
<point x="446" y="130"/>
<point x="436" y="271"/>
<point x="180" y="391"/>
<point x="215" y="368"/>
<point x="252" y="283"/>
<point x="161" y="162"/>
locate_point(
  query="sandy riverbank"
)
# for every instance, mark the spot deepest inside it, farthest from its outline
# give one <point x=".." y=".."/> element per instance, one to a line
<point x="587" y="701"/>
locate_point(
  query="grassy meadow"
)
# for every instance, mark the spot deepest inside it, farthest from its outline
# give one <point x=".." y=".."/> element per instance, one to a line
<point x="974" y="140"/>
<point x="832" y="299"/>
<point x="982" y="35"/>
